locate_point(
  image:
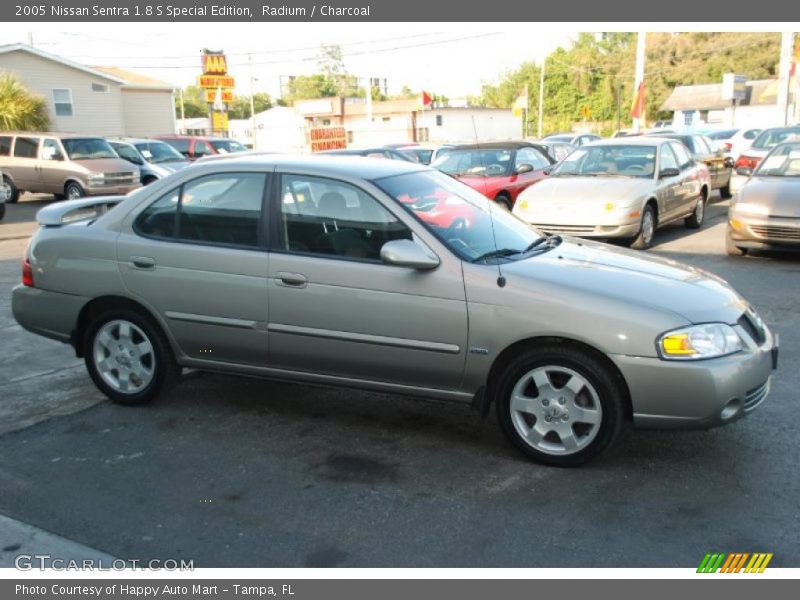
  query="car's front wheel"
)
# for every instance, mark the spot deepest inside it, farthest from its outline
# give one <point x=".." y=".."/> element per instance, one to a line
<point x="559" y="405"/>
<point x="646" y="230"/>
<point x="74" y="190"/>
<point x="695" y="220"/>
<point x="128" y="357"/>
<point x="10" y="190"/>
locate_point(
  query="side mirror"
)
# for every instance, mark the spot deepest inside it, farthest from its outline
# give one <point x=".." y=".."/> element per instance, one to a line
<point x="744" y="171"/>
<point x="406" y="253"/>
<point x="669" y="172"/>
<point x="523" y="168"/>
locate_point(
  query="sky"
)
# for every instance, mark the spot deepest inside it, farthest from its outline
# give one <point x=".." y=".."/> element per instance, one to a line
<point x="452" y="59"/>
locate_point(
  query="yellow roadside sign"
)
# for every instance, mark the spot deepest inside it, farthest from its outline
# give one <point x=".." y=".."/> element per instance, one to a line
<point x="215" y="81"/>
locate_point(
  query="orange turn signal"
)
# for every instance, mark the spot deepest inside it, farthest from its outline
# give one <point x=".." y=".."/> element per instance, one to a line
<point x="635" y="213"/>
<point x="737" y="224"/>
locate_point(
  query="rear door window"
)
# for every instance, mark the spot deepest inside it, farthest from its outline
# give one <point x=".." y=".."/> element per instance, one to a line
<point x="26" y="147"/>
<point x="5" y="145"/>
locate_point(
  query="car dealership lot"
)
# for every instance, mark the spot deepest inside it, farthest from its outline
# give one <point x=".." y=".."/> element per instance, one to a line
<point x="242" y="472"/>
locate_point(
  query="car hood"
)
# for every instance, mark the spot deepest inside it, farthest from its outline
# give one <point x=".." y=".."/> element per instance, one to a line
<point x="780" y="195"/>
<point x="107" y="165"/>
<point x="167" y="168"/>
<point x="634" y="277"/>
<point x="583" y="199"/>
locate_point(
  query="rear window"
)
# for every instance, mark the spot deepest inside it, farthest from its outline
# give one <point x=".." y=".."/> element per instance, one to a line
<point x="26" y="147"/>
<point x="181" y="146"/>
<point x="5" y="145"/>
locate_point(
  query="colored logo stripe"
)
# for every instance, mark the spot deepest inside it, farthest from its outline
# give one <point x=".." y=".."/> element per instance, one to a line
<point x="734" y="562"/>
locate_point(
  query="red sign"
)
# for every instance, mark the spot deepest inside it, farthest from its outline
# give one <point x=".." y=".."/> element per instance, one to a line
<point x="214" y="81"/>
<point x="328" y="138"/>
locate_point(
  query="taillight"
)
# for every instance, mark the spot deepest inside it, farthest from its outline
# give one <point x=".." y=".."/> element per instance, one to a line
<point x="727" y="146"/>
<point x="27" y="272"/>
<point x="747" y="162"/>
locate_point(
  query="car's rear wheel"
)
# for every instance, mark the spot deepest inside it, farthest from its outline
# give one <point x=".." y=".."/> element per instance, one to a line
<point x="559" y="405"/>
<point x="695" y="220"/>
<point x="504" y="201"/>
<point x="128" y="357"/>
<point x="646" y="231"/>
<point x="731" y="249"/>
<point x="11" y="191"/>
<point x="74" y="190"/>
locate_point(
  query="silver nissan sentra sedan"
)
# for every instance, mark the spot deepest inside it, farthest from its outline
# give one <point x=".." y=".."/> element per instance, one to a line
<point x="389" y="276"/>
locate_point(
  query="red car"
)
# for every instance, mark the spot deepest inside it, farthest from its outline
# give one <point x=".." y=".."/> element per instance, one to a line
<point x="194" y="147"/>
<point x="499" y="170"/>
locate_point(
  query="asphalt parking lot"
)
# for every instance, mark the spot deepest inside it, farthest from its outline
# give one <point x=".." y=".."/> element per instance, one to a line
<point x="242" y="472"/>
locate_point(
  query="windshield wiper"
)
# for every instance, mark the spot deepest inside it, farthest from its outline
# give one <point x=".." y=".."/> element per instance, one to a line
<point x="499" y="253"/>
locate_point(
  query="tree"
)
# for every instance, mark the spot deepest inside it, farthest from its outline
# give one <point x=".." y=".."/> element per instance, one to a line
<point x="240" y="107"/>
<point x="194" y="103"/>
<point x="20" y="109"/>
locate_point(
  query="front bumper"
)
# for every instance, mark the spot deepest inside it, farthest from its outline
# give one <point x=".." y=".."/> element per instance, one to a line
<point x="764" y="232"/>
<point x="625" y="230"/>
<point x="699" y="394"/>
<point x="49" y="314"/>
<point x="112" y="190"/>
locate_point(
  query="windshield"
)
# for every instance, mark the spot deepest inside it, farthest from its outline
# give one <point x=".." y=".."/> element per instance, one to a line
<point x="475" y="162"/>
<point x="772" y="137"/>
<point x="725" y="134"/>
<point x="159" y="152"/>
<point x="783" y="161"/>
<point x="609" y="161"/>
<point x="88" y="148"/>
<point x="227" y="146"/>
<point x="460" y="217"/>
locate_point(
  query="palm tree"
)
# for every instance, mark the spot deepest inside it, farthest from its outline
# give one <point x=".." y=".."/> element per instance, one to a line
<point x="20" y="109"/>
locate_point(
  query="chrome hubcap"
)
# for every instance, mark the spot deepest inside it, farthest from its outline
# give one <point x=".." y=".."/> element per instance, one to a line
<point x="647" y="227"/>
<point x="124" y="356"/>
<point x="73" y="193"/>
<point x="555" y="410"/>
<point x="701" y="209"/>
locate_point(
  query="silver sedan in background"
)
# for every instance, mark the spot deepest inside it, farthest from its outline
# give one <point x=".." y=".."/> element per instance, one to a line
<point x="765" y="214"/>
<point x="624" y="189"/>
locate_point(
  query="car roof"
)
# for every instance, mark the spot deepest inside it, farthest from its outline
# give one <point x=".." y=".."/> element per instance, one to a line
<point x="53" y="134"/>
<point x="135" y="140"/>
<point x="639" y="140"/>
<point x="507" y="145"/>
<point x="342" y="165"/>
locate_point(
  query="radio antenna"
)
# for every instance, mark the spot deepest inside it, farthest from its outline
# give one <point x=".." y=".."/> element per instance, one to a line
<point x="501" y="280"/>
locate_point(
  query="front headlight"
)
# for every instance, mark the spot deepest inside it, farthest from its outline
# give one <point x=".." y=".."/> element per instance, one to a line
<point x="750" y="208"/>
<point x="96" y="179"/>
<point x="699" y="341"/>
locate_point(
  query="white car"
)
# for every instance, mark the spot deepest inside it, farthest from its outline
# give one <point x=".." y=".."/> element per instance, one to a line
<point x="734" y="141"/>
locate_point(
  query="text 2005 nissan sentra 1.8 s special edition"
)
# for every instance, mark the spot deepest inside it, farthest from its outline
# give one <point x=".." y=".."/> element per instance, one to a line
<point x="389" y="276"/>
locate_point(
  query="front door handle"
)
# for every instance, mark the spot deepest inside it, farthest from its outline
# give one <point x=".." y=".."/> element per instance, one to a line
<point x="143" y="262"/>
<point x="295" y="280"/>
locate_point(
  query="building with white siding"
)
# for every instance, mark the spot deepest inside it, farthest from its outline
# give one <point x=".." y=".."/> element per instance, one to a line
<point x="92" y="100"/>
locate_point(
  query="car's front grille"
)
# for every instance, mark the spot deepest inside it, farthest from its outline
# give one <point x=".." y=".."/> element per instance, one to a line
<point x="774" y="232"/>
<point x="753" y="328"/>
<point x="756" y="396"/>
<point x="119" y="178"/>
<point x="575" y="229"/>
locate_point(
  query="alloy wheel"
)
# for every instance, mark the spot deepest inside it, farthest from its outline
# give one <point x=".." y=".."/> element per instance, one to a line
<point x="556" y="410"/>
<point x="124" y="356"/>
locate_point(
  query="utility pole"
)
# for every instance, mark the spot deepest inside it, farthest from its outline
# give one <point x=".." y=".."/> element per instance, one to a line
<point x="183" y="114"/>
<point x="787" y="46"/>
<point x="541" y="99"/>
<point x="30" y="39"/>
<point x="639" y="77"/>
<point x="252" y="101"/>
<point x="369" y="104"/>
<point x="619" y="104"/>
<point x="526" y="113"/>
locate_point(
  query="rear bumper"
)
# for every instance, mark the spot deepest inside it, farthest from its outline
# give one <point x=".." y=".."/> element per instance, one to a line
<point x="698" y="394"/>
<point x="49" y="314"/>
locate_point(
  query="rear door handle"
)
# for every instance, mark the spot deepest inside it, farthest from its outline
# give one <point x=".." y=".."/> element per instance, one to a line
<point x="143" y="262"/>
<point x="295" y="280"/>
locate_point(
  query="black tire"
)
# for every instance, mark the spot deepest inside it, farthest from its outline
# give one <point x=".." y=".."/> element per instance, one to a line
<point x="610" y="393"/>
<point x="725" y="191"/>
<point x="74" y="190"/>
<point x="731" y="249"/>
<point x="695" y="220"/>
<point x="2" y="210"/>
<point x="149" y="180"/>
<point x="504" y="201"/>
<point x="645" y="238"/>
<point x="166" y="371"/>
<point x="13" y="192"/>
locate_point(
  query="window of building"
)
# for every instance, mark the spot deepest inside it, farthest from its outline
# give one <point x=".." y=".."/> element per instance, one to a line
<point x="387" y="119"/>
<point x="423" y="135"/>
<point x="99" y="87"/>
<point x="62" y="100"/>
<point x="688" y="117"/>
<point x="439" y="120"/>
<point x="26" y="147"/>
<point x="335" y="219"/>
<point x="349" y="137"/>
<point x="326" y="122"/>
